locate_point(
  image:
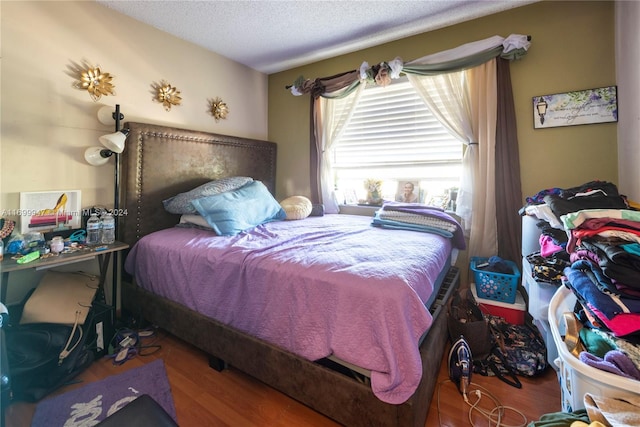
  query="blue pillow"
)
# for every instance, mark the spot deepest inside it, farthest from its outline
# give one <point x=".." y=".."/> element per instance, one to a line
<point x="181" y="203"/>
<point x="232" y="212"/>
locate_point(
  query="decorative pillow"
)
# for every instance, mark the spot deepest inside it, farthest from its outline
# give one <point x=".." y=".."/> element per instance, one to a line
<point x="181" y="203"/>
<point x="296" y="207"/>
<point x="231" y="212"/>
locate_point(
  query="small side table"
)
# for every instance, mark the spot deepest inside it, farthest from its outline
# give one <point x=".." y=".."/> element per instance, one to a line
<point x="101" y="252"/>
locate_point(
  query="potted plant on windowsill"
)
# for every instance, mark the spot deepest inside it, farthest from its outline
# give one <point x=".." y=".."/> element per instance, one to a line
<point x="374" y="192"/>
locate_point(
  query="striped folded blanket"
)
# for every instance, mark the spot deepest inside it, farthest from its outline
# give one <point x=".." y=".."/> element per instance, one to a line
<point x="419" y="217"/>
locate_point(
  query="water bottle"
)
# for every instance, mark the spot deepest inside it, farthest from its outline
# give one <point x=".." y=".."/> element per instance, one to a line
<point x="94" y="235"/>
<point x="108" y="228"/>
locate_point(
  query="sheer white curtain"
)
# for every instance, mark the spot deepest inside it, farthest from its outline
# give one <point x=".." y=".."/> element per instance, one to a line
<point x="463" y="102"/>
<point x="448" y="98"/>
<point x="335" y="114"/>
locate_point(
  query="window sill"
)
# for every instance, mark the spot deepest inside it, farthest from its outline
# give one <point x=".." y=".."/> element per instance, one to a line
<point x="370" y="210"/>
<point x="358" y="210"/>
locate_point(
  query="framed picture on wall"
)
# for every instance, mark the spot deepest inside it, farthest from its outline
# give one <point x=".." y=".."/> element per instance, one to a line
<point x="576" y="108"/>
<point x="50" y="210"/>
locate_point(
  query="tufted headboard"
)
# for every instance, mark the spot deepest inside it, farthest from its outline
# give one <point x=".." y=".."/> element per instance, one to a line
<point x="159" y="162"/>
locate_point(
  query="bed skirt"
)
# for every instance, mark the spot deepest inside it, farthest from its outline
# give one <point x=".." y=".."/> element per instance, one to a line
<point x="313" y="384"/>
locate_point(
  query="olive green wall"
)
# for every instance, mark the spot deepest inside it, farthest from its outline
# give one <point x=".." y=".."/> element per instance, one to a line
<point x="572" y="49"/>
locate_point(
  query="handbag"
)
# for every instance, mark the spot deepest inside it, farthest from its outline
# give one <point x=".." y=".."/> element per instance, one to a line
<point x="35" y="366"/>
<point x="49" y="346"/>
<point x="465" y="318"/>
<point x="520" y="348"/>
<point x="62" y="298"/>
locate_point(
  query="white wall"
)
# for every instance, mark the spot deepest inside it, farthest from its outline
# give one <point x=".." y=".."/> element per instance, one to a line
<point x="47" y="123"/>
<point x="628" y="70"/>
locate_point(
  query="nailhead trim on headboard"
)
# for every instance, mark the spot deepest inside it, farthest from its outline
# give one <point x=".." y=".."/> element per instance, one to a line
<point x="159" y="162"/>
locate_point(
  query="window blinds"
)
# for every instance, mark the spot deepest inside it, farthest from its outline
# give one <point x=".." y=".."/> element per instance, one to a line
<point x="392" y="128"/>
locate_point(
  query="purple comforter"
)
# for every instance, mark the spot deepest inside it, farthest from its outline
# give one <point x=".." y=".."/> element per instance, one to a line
<point x="316" y="287"/>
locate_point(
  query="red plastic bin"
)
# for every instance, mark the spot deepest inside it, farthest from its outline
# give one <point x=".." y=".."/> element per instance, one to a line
<point x="512" y="313"/>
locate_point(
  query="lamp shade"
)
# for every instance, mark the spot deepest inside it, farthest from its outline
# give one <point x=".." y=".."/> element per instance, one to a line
<point x="105" y="115"/>
<point x="97" y="156"/>
<point x="115" y="141"/>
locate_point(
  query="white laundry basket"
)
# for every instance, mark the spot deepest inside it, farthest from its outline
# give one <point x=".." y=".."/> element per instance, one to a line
<point x="576" y="378"/>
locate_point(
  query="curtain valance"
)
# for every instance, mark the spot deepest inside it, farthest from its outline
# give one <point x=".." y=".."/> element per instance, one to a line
<point x="460" y="58"/>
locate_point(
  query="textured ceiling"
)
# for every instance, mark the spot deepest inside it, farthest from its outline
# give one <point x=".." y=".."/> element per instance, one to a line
<point x="272" y="36"/>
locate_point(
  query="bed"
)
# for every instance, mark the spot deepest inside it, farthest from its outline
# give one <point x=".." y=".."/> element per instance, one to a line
<point x="233" y="309"/>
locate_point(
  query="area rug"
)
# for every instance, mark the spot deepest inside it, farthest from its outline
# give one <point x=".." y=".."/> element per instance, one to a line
<point x="89" y="405"/>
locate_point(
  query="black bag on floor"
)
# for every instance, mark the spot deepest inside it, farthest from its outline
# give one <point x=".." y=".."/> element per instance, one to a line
<point x="466" y="319"/>
<point x="498" y="348"/>
<point x="53" y="340"/>
<point x="34" y="355"/>
<point x="521" y="348"/>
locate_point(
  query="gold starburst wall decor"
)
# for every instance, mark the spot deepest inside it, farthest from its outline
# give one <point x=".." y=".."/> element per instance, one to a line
<point x="94" y="81"/>
<point x="167" y="94"/>
<point x="218" y="108"/>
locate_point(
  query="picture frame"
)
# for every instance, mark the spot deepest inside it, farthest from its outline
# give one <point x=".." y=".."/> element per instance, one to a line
<point x="581" y="107"/>
<point x="439" y="199"/>
<point x="408" y="191"/>
<point x="350" y="197"/>
<point x="46" y="211"/>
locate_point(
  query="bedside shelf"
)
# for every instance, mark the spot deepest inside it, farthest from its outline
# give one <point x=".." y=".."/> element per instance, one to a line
<point x="103" y="256"/>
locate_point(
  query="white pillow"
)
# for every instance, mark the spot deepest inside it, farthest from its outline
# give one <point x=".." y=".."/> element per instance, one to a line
<point x="296" y="207"/>
<point x="195" y="219"/>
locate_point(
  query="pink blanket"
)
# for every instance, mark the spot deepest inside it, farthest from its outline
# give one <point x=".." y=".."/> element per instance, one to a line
<point x="316" y="287"/>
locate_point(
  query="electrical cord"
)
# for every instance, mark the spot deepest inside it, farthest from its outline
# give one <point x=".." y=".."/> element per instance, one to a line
<point x="494" y="416"/>
<point x="501" y="409"/>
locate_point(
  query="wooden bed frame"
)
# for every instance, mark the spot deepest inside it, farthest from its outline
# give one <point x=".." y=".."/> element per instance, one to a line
<point x="160" y="162"/>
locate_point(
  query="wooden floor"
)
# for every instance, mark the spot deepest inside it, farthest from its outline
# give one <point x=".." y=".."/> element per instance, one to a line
<point x="204" y="397"/>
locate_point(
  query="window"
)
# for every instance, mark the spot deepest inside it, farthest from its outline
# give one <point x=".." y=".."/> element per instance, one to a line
<point x="394" y="138"/>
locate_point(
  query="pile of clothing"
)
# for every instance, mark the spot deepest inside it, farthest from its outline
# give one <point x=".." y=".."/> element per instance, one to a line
<point x="590" y="243"/>
<point x="598" y="412"/>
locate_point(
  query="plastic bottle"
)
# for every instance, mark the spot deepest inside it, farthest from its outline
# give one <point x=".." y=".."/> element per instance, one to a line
<point x="108" y="229"/>
<point x="94" y="235"/>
